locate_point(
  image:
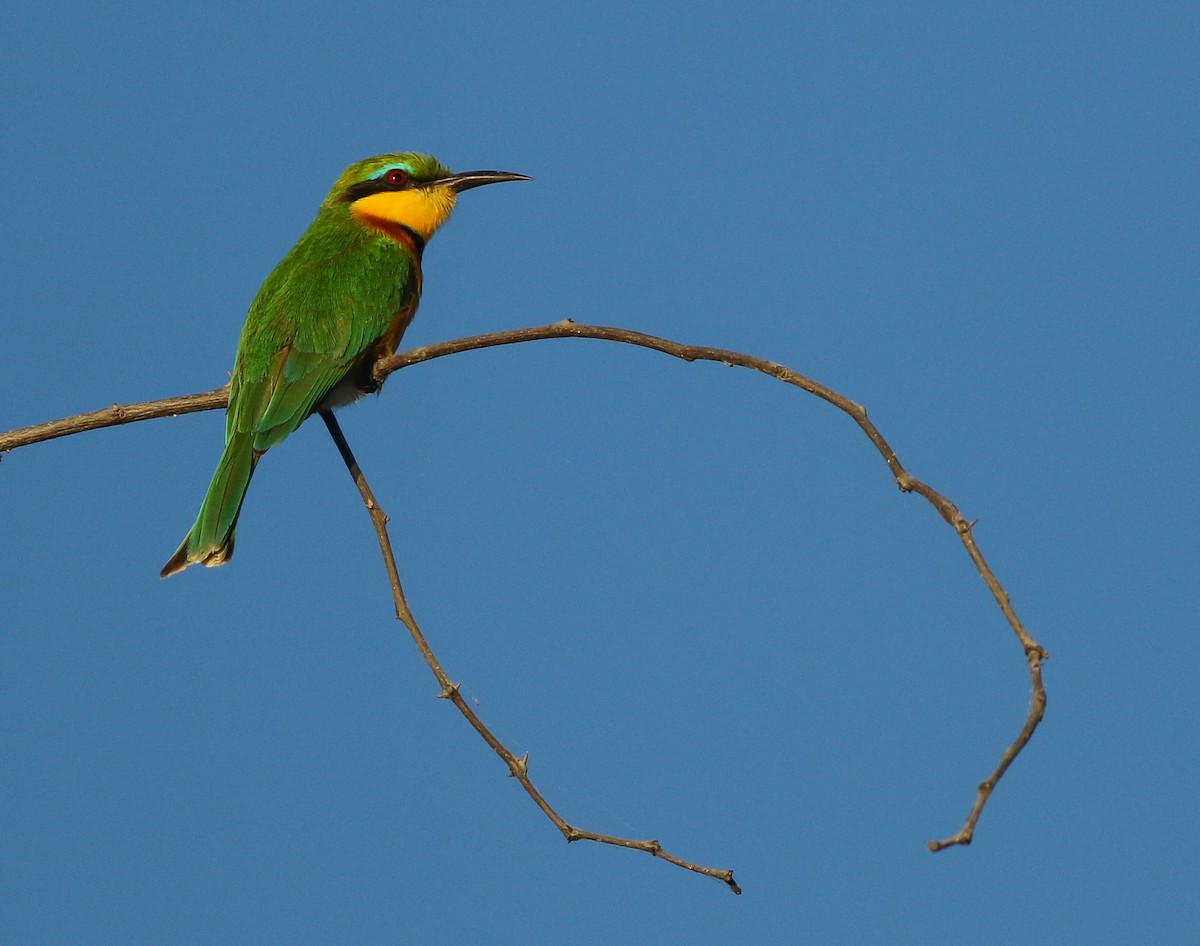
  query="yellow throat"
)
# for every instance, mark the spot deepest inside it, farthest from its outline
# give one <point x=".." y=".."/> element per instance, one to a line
<point x="421" y="209"/>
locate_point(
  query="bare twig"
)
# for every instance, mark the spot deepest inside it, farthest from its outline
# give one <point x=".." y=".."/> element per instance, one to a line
<point x="518" y="768"/>
<point x="1034" y="654"/>
<point x="114" y="416"/>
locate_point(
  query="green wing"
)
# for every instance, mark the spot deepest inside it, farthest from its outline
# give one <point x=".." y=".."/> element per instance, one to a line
<point x="320" y="311"/>
<point x="316" y="316"/>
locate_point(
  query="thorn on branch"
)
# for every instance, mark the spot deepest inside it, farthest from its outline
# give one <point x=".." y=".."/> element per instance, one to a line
<point x="449" y="691"/>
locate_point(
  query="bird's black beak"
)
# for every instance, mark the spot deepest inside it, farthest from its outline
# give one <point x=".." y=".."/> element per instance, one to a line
<point x="468" y="179"/>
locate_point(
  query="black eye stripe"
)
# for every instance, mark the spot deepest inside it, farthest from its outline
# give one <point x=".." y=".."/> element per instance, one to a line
<point x="395" y="179"/>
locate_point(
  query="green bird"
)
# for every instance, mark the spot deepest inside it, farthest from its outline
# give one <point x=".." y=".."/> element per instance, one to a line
<point x="339" y="300"/>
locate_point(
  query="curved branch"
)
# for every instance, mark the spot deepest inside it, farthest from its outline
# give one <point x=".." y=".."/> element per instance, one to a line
<point x="518" y="768"/>
<point x="1034" y="653"/>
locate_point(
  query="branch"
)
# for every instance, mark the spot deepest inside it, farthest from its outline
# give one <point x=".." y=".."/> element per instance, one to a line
<point x="114" y="416"/>
<point x="518" y="768"/>
<point x="1034" y="654"/>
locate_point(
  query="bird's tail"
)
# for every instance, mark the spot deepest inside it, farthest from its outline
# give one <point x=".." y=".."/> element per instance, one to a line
<point x="210" y="540"/>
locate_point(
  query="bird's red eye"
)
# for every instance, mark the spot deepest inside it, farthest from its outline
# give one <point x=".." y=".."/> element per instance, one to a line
<point x="397" y="177"/>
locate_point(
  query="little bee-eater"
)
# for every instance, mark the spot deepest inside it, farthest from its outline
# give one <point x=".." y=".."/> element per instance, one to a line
<point x="339" y="300"/>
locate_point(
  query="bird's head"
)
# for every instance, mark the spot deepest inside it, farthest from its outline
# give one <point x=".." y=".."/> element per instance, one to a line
<point x="405" y="194"/>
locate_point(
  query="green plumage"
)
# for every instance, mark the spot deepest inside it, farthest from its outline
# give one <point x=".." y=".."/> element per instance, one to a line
<point x="337" y="301"/>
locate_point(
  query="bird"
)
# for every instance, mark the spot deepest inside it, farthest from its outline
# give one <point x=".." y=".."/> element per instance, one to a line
<point x="339" y="300"/>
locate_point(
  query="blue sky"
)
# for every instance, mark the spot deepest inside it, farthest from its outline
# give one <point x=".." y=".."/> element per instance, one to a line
<point x="692" y="594"/>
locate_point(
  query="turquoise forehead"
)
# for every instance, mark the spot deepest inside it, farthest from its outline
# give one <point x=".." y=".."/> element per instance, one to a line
<point x="397" y="166"/>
